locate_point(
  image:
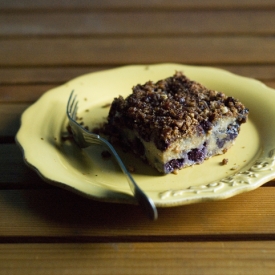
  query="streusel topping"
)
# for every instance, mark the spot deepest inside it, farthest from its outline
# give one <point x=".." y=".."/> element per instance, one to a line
<point x="173" y="108"/>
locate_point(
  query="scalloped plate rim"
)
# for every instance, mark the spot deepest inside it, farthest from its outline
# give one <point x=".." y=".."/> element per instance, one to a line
<point x="127" y="198"/>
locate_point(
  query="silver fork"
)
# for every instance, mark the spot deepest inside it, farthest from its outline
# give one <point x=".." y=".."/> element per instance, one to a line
<point x="84" y="138"/>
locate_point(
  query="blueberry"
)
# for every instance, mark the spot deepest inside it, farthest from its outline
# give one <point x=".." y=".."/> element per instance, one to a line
<point x="173" y="164"/>
<point x="197" y="155"/>
<point x="220" y="142"/>
<point x="232" y="132"/>
<point x="206" y="125"/>
<point x="161" y="144"/>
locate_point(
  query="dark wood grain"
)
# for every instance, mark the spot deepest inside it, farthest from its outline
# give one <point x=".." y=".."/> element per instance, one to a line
<point x="48" y="230"/>
<point x="158" y="258"/>
<point x="118" y="51"/>
<point x="139" y="23"/>
<point x="54" y="213"/>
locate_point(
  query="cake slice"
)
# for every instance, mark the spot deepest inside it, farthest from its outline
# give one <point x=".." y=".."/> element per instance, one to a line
<point x="176" y="122"/>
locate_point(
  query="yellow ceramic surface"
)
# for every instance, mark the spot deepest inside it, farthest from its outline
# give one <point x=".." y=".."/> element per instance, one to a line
<point x="251" y="159"/>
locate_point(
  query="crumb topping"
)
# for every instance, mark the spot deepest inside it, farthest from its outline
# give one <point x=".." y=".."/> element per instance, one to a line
<point x="224" y="161"/>
<point x="173" y="108"/>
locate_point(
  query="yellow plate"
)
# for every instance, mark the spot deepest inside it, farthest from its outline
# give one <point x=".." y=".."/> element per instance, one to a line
<point x="251" y="159"/>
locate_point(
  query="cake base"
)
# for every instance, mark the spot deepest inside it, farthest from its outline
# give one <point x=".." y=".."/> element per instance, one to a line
<point x="185" y="152"/>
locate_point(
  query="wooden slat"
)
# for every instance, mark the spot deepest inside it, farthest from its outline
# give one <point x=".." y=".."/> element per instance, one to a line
<point x="22" y="93"/>
<point x="10" y="118"/>
<point x="59" y="214"/>
<point x="115" y="51"/>
<point x="20" y="176"/>
<point x="87" y="23"/>
<point x="142" y="4"/>
<point x="251" y="258"/>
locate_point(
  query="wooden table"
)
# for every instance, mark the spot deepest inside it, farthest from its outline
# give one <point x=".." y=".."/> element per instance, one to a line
<point x="47" y="230"/>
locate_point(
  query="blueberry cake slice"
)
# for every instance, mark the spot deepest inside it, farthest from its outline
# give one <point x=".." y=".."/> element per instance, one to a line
<point x="176" y="122"/>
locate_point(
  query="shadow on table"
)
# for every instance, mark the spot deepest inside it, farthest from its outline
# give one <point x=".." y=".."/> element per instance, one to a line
<point x="57" y="213"/>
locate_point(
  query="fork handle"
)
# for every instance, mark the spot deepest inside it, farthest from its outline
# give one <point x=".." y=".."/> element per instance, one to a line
<point x="145" y="202"/>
